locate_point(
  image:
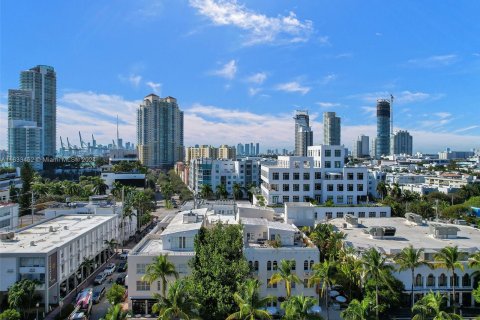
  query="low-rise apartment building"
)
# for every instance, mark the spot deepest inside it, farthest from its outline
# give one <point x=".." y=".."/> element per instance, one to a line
<point x="8" y="216"/>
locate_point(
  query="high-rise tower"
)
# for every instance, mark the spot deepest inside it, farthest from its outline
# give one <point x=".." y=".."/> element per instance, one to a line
<point x="383" y="128"/>
<point x="303" y="133"/>
<point x="331" y="129"/>
<point x="159" y="132"/>
<point x="401" y="143"/>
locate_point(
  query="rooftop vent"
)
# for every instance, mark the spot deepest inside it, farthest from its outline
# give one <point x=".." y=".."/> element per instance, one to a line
<point x="65" y="227"/>
<point x="440" y="231"/>
<point x="51" y="229"/>
<point x="381" y="232"/>
<point x="7" y="235"/>
<point x="414" y="218"/>
<point x="32" y="243"/>
<point x="190" y="217"/>
<point x="351" y="220"/>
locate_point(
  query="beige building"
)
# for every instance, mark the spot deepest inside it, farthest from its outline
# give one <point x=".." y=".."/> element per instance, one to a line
<point x="227" y="152"/>
<point x="209" y="152"/>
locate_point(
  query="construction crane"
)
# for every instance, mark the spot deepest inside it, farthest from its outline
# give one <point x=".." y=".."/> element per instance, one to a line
<point x="62" y="148"/>
<point x="82" y="143"/>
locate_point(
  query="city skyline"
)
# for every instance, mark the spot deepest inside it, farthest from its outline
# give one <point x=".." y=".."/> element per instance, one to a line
<point x="248" y="86"/>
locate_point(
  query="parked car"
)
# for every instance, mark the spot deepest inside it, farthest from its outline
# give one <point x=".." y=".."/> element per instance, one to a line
<point x="98" y="294"/>
<point x="78" y="316"/>
<point x="100" y="278"/>
<point x="110" y="269"/>
<point x="121" y="279"/>
<point x="124" y="255"/>
<point x="122" y="267"/>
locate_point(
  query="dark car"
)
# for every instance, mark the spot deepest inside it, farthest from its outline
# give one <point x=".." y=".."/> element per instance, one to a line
<point x="98" y="294"/>
<point x="122" y="267"/>
<point x="121" y="279"/>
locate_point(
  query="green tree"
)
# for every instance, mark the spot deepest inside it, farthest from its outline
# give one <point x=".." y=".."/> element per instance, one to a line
<point x="250" y="305"/>
<point x="178" y="304"/>
<point x="237" y="191"/>
<point x="357" y="310"/>
<point x="221" y="191"/>
<point x="324" y="274"/>
<point x="26" y="174"/>
<point x="474" y="260"/>
<point x="21" y="295"/>
<point x="219" y="266"/>
<point x="10" y="314"/>
<point x="115" y="294"/>
<point x="167" y="190"/>
<point x="206" y="191"/>
<point x="449" y="258"/>
<point x="476" y="293"/>
<point x="299" y="308"/>
<point x="99" y="187"/>
<point x="382" y="189"/>
<point x="111" y="244"/>
<point x="320" y="236"/>
<point x="87" y="266"/>
<point x="115" y="313"/>
<point x="375" y="268"/>
<point x="73" y="189"/>
<point x="160" y="268"/>
<point x="432" y="306"/>
<point x="410" y="259"/>
<point x="285" y="274"/>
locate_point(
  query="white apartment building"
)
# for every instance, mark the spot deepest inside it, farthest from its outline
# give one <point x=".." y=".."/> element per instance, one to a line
<point x="223" y="171"/>
<point x="391" y="235"/>
<point x="177" y="241"/>
<point x="305" y="214"/>
<point x="8" y="216"/>
<point x="404" y="178"/>
<point x="321" y="176"/>
<point x="126" y="178"/>
<point x="52" y="251"/>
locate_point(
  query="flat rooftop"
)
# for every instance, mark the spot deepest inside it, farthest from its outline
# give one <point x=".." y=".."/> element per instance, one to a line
<point x="468" y="238"/>
<point x="65" y="229"/>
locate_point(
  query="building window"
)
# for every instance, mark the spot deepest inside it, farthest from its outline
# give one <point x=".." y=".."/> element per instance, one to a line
<point x="306" y="187"/>
<point x="294" y="265"/>
<point x="372" y="214"/>
<point x="269" y="265"/>
<point x="338" y="164"/>
<point x="250" y="263"/>
<point x="430" y="280"/>
<point x="419" y="280"/>
<point x="361" y="214"/>
<point x="329" y="187"/>
<point x="141" y="268"/>
<point x="305" y="265"/>
<point x="329" y="215"/>
<point x="466" y="280"/>
<point x="182" y="242"/>
<point x="318" y="175"/>
<point x="339" y="187"/>
<point x="255" y="265"/>
<point x="454" y="280"/>
<point x="328" y="153"/>
<point x="360" y="176"/>
<point x="306" y="176"/>
<point x="349" y="199"/>
<point x="359" y="187"/>
<point x="269" y="285"/>
<point x="311" y="264"/>
<point x="143" y="286"/>
<point x="159" y="286"/>
<point x="339" y="214"/>
<point x="275" y="176"/>
<point x="286" y="187"/>
<point x="318" y="186"/>
<point x="350" y="176"/>
<point x="349" y="187"/>
<point x="296" y="199"/>
<point x="296" y="176"/>
<point x="286" y="199"/>
<point x="442" y="280"/>
<point x="340" y="199"/>
<point x="338" y="153"/>
<point x="328" y="164"/>
<point x="275" y="265"/>
<point x="296" y="187"/>
<point x="383" y="214"/>
<point x="286" y="176"/>
<point x="275" y="199"/>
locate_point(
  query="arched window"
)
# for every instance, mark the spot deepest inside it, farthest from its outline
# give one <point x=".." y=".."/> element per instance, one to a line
<point x="250" y="265"/>
<point x="305" y="265"/>
<point x="275" y="265"/>
<point x="454" y="281"/>
<point x="466" y="280"/>
<point x="430" y="280"/>
<point x="269" y="265"/>
<point x="294" y="265"/>
<point x="311" y="264"/>
<point x="419" y="280"/>
<point x="256" y="265"/>
<point x="442" y="280"/>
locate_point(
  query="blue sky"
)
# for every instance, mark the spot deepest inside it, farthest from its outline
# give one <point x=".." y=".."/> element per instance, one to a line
<point x="239" y="69"/>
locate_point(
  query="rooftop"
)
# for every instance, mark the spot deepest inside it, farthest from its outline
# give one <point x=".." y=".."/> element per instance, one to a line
<point x="45" y="236"/>
<point x="468" y="238"/>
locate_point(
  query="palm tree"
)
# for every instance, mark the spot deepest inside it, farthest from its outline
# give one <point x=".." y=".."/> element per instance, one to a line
<point x="334" y="244"/>
<point x="73" y="189"/>
<point x="237" y="191"/>
<point x="285" y="274"/>
<point x="449" y="258"/>
<point x="431" y="306"/>
<point x="350" y="273"/>
<point x="250" y="305"/>
<point x="99" y="186"/>
<point x="382" y="189"/>
<point x="375" y="268"/>
<point x="178" y="305"/>
<point x="111" y="244"/>
<point x="324" y="275"/>
<point x="87" y="265"/>
<point x="320" y="236"/>
<point x="167" y="190"/>
<point x="117" y="189"/>
<point x="206" y="191"/>
<point x="410" y="259"/>
<point x="299" y="307"/>
<point x="357" y="310"/>
<point x="474" y="260"/>
<point x="160" y="268"/>
<point x="127" y="214"/>
<point x="221" y="191"/>
<point x="116" y="313"/>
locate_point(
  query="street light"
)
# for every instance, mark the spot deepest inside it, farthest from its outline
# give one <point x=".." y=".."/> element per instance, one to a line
<point x="37" y="305"/>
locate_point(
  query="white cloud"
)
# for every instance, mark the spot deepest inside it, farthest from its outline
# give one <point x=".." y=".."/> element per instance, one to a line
<point x="257" y="78"/>
<point x="371" y="111"/>
<point x="403" y="97"/>
<point x="434" y="61"/>
<point x="378" y="34"/>
<point x="260" y="28"/>
<point x="328" y="78"/>
<point x="466" y="129"/>
<point x="156" y="87"/>
<point x="133" y="79"/>
<point x="253" y="91"/>
<point x="443" y="115"/>
<point x="228" y="70"/>
<point x="293" y="86"/>
<point x="328" y="104"/>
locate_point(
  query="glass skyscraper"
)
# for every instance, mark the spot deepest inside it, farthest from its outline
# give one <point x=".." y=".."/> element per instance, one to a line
<point x="303" y="133"/>
<point x="331" y="129"/>
<point x="383" y="128"/>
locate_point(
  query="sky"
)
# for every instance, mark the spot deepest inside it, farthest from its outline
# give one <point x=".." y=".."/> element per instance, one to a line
<point x="240" y="69"/>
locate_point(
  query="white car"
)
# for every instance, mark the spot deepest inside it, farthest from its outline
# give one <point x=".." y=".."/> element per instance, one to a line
<point x="124" y="255"/>
<point x="100" y="278"/>
<point x="110" y="269"/>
